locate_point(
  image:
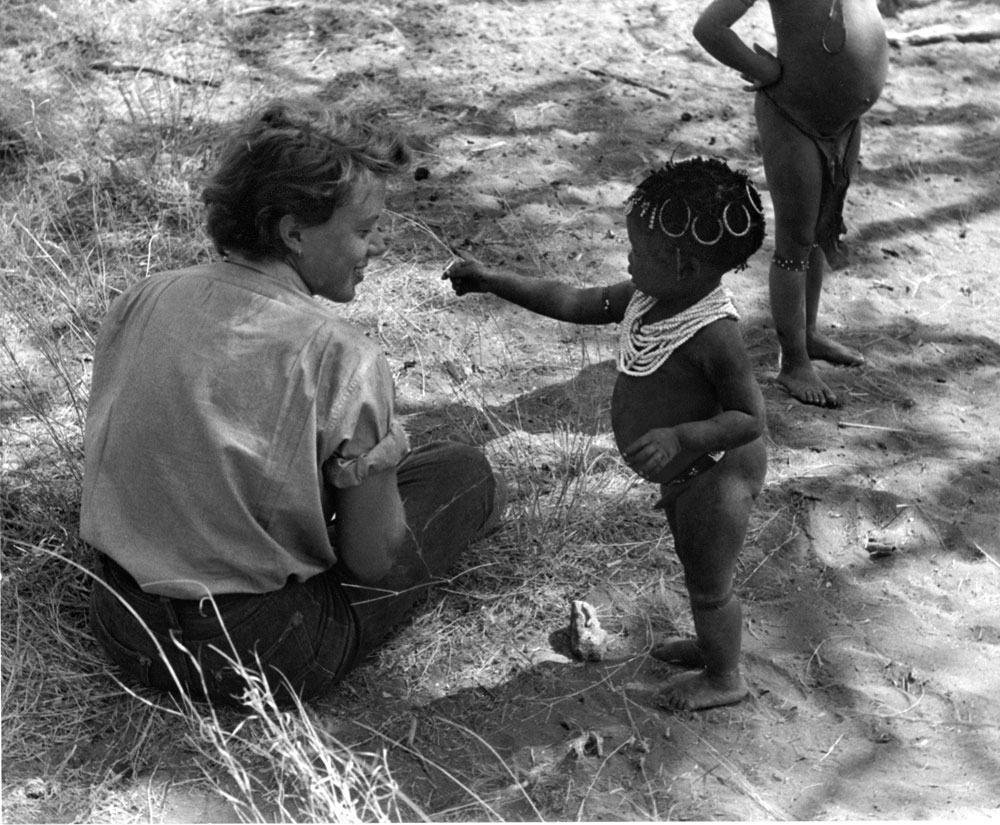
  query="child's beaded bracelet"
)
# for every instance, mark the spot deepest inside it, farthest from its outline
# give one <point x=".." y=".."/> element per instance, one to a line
<point x="606" y="301"/>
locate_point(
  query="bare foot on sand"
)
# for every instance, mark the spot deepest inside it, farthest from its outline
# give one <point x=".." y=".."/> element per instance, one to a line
<point x="699" y="691"/>
<point x="678" y="651"/>
<point x="803" y="383"/>
<point x="824" y="348"/>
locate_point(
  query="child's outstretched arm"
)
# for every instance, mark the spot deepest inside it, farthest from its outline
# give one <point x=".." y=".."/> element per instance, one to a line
<point x="551" y="298"/>
<point x="713" y="30"/>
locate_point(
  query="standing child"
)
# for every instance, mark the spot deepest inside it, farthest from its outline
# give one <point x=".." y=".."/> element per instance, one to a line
<point x="686" y="410"/>
<point x="831" y="64"/>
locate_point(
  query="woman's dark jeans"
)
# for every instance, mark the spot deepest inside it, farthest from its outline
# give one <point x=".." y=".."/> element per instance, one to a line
<point x="308" y="635"/>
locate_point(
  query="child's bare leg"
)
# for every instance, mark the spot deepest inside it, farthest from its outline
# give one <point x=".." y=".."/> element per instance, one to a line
<point x="794" y="173"/>
<point x="819" y="345"/>
<point x="796" y="373"/>
<point x="829" y="226"/>
<point x="678" y="651"/>
<point x="709" y="521"/>
<point x="719" y="627"/>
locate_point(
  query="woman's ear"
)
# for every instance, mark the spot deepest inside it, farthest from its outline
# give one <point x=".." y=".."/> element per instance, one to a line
<point x="290" y="232"/>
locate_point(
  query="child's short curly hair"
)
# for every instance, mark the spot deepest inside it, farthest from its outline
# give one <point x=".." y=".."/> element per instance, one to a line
<point x="292" y="160"/>
<point x="713" y="212"/>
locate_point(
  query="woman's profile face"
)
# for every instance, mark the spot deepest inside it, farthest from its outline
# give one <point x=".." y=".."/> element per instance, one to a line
<point x="332" y="256"/>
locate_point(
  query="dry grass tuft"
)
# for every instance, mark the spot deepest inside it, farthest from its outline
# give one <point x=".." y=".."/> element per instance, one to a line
<point x="100" y="176"/>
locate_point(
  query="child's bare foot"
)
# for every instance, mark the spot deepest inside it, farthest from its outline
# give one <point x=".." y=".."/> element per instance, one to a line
<point x="824" y="348"/>
<point x="803" y="383"/>
<point x="699" y="691"/>
<point x="677" y="651"/>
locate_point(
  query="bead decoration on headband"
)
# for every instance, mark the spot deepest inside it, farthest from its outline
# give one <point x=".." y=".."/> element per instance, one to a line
<point x="729" y="228"/>
<point x="643" y="348"/>
<point x="687" y="220"/>
<point x="702" y="241"/>
<point x="703" y="205"/>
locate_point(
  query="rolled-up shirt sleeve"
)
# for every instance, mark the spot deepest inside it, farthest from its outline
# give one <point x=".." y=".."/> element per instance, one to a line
<point x="341" y="471"/>
<point x="362" y="428"/>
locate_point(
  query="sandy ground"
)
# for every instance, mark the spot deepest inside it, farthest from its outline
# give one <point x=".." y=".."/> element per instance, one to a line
<point x="871" y="579"/>
<point x="872" y="583"/>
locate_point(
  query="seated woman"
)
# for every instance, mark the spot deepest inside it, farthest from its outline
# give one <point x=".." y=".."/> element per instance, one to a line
<point x="247" y="485"/>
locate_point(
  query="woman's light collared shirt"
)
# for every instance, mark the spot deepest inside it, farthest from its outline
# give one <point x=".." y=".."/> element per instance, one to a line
<point x="224" y="404"/>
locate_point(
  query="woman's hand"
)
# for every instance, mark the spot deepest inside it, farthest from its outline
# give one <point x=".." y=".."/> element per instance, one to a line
<point x="467" y="275"/>
<point x="769" y="73"/>
<point x="652" y="452"/>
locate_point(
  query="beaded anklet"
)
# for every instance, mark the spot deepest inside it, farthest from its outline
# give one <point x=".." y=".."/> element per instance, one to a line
<point x="790" y="264"/>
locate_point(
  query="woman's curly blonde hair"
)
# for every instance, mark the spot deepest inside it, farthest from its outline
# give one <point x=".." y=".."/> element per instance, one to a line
<point x="297" y="160"/>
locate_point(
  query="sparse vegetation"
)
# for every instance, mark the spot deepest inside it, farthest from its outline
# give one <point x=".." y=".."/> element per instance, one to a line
<point x="109" y="117"/>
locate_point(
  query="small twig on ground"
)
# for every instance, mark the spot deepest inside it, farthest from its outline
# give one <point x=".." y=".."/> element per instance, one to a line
<point x="488" y="147"/>
<point x="640" y="742"/>
<point x="859" y="426"/>
<point x="986" y="555"/>
<point x="945" y="34"/>
<point x="830" y="749"/>
<point x="630" y="82"/>
<point x="606" y="679"/>
<point x="518" y="784"/>
<point x="740" y="780"/>
<point x="597" y="774"/>
<point x="794" y="532"/>
<point x="898" y="713"/>
<point x="108" y="67"/>
<point x="932" y="525"/>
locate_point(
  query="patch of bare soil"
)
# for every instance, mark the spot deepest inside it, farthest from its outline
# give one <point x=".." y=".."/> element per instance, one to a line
<point x="872" y="578"/>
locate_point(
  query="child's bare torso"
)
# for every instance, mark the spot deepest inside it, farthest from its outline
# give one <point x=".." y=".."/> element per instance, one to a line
<point x="676" y="393"/>
<point x="834" y="57"/>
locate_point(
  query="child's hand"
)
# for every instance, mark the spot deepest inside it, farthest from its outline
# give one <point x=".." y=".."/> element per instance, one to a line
<point x="652" y="452"/>
<point x="467" y="275"/>
<point x="769" y="73"/>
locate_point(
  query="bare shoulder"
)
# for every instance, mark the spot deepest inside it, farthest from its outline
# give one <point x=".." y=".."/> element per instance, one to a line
<point x="719" y="346"/>
<point x="724" y="332"/>
<point x="722" y="359"/>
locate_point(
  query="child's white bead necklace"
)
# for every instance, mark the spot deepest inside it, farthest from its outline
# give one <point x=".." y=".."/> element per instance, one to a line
<point x="643" y="348"/>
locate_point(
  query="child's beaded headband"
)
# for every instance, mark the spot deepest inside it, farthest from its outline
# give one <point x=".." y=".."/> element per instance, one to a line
<point x="702" y="199"/>
<point x="657" y="213"/>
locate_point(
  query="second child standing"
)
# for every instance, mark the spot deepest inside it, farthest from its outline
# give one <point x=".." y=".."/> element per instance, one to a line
<point x="831" y="64"/>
